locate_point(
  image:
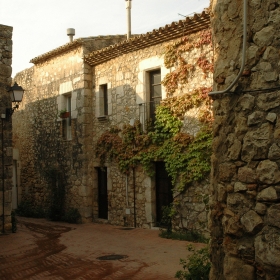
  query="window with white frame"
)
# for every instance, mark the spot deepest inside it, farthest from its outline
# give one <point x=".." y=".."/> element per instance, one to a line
<point x="103" y="100"/>
<point x="66" y="119"/>
<point x="155" y="95"/>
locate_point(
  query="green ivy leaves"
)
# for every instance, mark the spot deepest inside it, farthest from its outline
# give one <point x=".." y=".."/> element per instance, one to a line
<point x="186" y="158"/>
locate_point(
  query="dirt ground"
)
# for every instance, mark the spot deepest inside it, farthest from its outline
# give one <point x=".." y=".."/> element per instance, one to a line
<point x="50" y="250"/>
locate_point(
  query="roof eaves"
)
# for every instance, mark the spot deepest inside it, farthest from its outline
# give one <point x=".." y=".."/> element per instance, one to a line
<point x="170" y="31"/>
<point x="57" y="51"/>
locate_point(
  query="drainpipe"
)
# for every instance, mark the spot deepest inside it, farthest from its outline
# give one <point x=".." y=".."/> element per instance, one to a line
<point x="3" y="178"/>
<point x="126" y="190"/>
<point x="134" y="195"/>
<point x="245" y="4"/>
<point x="128" y="8"/>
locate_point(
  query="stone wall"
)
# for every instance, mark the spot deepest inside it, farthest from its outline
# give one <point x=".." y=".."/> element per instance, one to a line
<point x="6" y="127"/>
<point x="127" y="84"/>
<point x="245" y="191"/>
<point x="39" y="131"/>
<point x="38" y="128"/>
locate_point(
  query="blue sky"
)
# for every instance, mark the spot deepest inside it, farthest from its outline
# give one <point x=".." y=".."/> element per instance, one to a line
<point x="40" y="26"/>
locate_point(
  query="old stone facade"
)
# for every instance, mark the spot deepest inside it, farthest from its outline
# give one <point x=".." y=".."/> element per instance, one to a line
<point x="61" y="79"/>
<point x="245" y="165"/>
<point x="127" y="81"/>
<point x="6" y="128"/>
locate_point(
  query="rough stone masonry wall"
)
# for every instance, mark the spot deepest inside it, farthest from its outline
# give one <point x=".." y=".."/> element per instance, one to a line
<point x="124" y="75"/>
<point x="245" y="187"/>
<point x="38" y="131"/>
<point x="6" y="126"/>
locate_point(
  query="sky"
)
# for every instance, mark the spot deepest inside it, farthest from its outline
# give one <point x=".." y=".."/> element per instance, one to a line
<point x="40" y="26"/>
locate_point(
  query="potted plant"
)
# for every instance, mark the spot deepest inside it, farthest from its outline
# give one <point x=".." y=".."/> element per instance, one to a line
<point x="64" y="114"/>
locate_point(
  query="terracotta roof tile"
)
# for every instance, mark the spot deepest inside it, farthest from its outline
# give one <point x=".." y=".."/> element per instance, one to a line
<point x="171" y="31"/>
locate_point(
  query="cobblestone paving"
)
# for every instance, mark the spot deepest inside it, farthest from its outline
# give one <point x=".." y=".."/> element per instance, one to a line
<point x="46" y="250"/>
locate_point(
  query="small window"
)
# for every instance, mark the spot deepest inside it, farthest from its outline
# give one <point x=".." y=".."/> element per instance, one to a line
<point x="66" y="122"/>
<point x="155" y="92"/>
<point x="103" y="100"/>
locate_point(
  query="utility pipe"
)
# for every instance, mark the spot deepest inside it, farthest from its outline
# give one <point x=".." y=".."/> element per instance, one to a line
<point x="3" y="178"/>
<point x="134" y="195"/>
<point x="245" y="12"/>
<point x="128" y="8"/>
<point x="126" y="190"/>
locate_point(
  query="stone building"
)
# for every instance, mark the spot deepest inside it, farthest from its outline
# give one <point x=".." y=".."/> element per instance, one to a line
<point x="106" y="82"/>
<point x="245" y="191"/>
<point x="6" y="128"/>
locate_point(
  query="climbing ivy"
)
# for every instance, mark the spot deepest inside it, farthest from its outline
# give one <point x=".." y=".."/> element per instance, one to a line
<point x="186" y="157"/>
<point x="181" y="69"/>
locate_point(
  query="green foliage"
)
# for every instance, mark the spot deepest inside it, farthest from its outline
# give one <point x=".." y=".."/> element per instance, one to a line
<point x="186" y="158"/>
<point x="197" y="267"/>
<point x="165" y="126"/>
<point x="72" y="216"/>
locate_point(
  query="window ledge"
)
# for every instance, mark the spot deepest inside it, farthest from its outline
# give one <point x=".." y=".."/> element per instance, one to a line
<point x="102" y="118"/>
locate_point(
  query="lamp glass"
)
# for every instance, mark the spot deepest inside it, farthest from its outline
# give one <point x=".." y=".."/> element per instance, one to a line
<point x="16" y="95"/>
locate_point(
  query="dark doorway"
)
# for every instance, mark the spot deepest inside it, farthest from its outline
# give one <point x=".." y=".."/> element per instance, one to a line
<point x="102" y="193"/>
<point x="163" y="189"/>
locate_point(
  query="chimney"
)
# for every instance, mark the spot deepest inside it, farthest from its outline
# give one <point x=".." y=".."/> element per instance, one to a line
<point x="128" y="8"/>
<point x="70" y="33"/>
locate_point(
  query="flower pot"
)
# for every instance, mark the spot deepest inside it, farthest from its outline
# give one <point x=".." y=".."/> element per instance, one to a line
<point x="64" y="115"/>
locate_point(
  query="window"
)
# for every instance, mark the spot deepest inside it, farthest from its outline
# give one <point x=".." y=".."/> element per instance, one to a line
<point x="155" y="92"/>
<point x="66" y="123"/>
<point x="103" y="100"/>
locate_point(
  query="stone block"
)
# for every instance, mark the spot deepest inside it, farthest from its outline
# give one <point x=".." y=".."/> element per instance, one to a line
<point x="232" y="226"/>
<point x="5" y="70"/>
<point x="267" y="247"/>
<point x="226" y="171"/>
<point x="256" y="142"/>
<point x="245" y="103"/>
<point x="238" y="203"/>
<point x="265" y="36"/>
<point x="239" y="187"/>
<point x="268" y="172"/>
<point x="260" y="208"/>
<point x="273" y="214"/>
<point x="268" y="194"/>
<point x="268" y="101"/>
<point x="251" y="221"/>
<point x="274" y="152"/>
<point x="236" y="269"/>
<point x="255" y="118"/>
<point x="247" y="175"/>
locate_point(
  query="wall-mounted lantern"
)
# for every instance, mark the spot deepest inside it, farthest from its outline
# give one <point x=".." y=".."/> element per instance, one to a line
<point x="16" y="94"/>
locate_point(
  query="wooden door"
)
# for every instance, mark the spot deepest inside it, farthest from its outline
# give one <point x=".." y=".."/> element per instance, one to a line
<point x="102" y="193"/>
<point x="164" y="194"/>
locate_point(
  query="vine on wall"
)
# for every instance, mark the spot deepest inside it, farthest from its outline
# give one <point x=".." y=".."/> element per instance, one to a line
<point x="187" y="158"/>
<point x="174" y="58"/>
